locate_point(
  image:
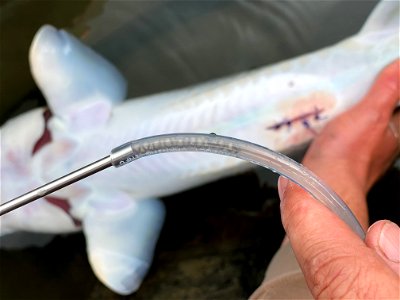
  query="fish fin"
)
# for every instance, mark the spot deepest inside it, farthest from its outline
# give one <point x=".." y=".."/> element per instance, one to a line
<point x="68" y="72"/>
<point x="121" y="235"/>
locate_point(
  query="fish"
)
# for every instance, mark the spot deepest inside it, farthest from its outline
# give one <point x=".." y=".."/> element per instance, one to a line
<point x="279" y="106"/>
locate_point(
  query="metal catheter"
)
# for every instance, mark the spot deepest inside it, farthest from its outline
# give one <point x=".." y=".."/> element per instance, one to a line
<point x="198" y="142"/>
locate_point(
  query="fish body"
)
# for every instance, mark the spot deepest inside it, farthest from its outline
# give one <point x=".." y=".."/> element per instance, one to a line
<point x="280" y="106"/>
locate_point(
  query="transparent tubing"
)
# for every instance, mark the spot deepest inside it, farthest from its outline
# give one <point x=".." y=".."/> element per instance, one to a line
<point x="241" y="149"/>
<point x="202" y="143"/>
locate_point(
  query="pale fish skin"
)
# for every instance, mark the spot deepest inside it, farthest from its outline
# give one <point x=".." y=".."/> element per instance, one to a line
<point x="119" y="208"/>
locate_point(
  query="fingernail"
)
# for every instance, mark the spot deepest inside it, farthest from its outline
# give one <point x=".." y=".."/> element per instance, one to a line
<point x="389" y="241"/>
<point x="282" y="184"/>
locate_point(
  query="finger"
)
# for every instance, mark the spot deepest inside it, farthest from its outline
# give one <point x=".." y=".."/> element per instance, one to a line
<point x="384" y="238"/>
<point x="303" y="216"/>
<point x="335" y="262"/>
<point x="384" y="93"/>
<point x="323" y="243"/>
<point x="388" y="148"/>
<point x="375" y="110"/>
<point x="394" y="128"/>
<point x="368" y="119"/>
<point x="391" y="139"/>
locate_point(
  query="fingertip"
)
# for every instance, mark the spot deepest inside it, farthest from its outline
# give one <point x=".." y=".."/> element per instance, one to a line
<point x="384" y="237"/>
<point x="287" y="187"/>
<point x="299" y="210"/>
<point x="384" y="93"/>
<point x="374" y="231"/>
<point x="282" y="184"/>
<point x="390" y="74"/>
<point x="294" y="202"/>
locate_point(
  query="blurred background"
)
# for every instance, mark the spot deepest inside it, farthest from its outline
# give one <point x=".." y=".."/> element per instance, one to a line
<point x="218" y="238"/>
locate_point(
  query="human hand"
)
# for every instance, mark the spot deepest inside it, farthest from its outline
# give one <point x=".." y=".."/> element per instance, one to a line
<point x="358" y="146"/>
<point x="350" y="154"/>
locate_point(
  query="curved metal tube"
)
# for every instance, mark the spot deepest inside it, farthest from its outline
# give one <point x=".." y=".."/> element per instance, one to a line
<point x="213" y="143"/>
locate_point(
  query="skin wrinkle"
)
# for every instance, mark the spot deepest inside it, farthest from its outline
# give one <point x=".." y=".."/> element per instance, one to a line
<point x="320" y="257"/>
<point x="371" y="269"/>
<point x="337" y="285"/>
<point x="345" y="279"/>
<point x="367" y="265"/>
<point x="337" y="277"/>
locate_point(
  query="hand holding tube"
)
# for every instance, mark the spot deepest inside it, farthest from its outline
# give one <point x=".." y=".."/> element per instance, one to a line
<point x="349" y="154"/>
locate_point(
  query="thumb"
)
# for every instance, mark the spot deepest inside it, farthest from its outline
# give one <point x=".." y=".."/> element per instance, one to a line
<point x="384" y="237"/>
<point x="326" y="249"/>
<point x="305" y="217"/>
